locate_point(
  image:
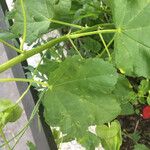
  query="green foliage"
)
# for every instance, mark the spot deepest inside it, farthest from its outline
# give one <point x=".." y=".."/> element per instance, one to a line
<point x="110" y="136"/>
<point x="37" y="18"/>
<point x="143" y="90"/>
<point x="87" y="91"/>
<point x="135" y="136"/>
<point x="48" y="66"/>
<point x="6" y="35"/>
<point x="148" y="99"/>
<point x="9" y="112"/>
<point x="89" y="141"/>
<point x="123" y="90"/>
<point x="91" y="46"/>
<point x="31" y="146"/>
<point x="132" y="53"/>
<point x="140" y="147"/>
<point x="81" y="87"/>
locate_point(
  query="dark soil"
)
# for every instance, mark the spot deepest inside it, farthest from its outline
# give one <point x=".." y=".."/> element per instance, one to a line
<point x="135" y="124"/>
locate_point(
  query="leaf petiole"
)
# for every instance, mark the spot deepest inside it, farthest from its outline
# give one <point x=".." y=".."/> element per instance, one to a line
<point x="4" y="138"/>
<point x="49" y="44"/>
<point x="24" y="25"/>
<point x="66" y="24"/>
<point x="24" y="80"/>
<point x="11" y="46"/>
<point x="74" y="46"/>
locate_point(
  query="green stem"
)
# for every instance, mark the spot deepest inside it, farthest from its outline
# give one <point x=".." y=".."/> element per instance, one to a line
<point x="86" y="29"/>
<point x="28" y="88"/>
<point x="66" y="24"/>
<point x="106" y="48"/>
<point x="4" y="138"/>
<point x="100" y="55"/>
<point x="34" y="112"/>
<point x="24" y="93"/>
<point x="10" y="46"/>
<point x="49" y="44"/>
<point x="24" y="25"/>
<point x="23" y="130"/>
<point x="74" y="36"/>
<point x="75" y="48"/>
<point x="23" y="80"/>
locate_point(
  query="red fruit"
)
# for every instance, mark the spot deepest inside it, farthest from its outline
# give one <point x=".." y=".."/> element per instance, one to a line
<point x="146" y="112"/>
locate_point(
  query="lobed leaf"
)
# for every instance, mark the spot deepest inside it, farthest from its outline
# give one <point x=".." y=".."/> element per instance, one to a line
<point x="80" y="95"/>
<point x="38" y="13"/>
<point x="132" y="46"/>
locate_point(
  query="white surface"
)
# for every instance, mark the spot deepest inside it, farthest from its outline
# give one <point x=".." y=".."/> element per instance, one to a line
<point x="10" y="4"/>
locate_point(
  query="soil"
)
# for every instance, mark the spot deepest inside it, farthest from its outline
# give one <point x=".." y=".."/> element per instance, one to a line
<point x="135" y="124"/>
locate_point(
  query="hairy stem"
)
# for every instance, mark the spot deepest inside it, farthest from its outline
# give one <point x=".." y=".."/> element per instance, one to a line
<point x="23" y="80"/>
<point x="49" y="44"/>
<point x="66" y="24"/>
<point x="11" y="46"/>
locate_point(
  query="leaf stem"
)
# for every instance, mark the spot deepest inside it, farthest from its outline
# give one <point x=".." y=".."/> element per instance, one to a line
<point x="24" y="25"/>
<point x="11" y="46"/>
<point x="74" y="36"/>
<point x="24" y="93"/>
<point x="49" y="44"/>
<point x="74" y="46"/>
<point x="4" y="138"/>
<point x="106" y="48"/>
<point x="34" y="112"/>
<point x="28" y="88"/>
<point x="100" y="55"/>
<point x="24" y="80"/>
<point x="66" y="24"/>
<point x="86" y="29"/>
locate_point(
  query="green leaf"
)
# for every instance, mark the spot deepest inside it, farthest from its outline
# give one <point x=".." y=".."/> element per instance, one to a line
<point x="7" y="35"/>
<point x="123" y="90"/>
<point x="140" y="147"/>
<point x="57" y="136"/>
<point x="132" y="46"/>
<point x="80" y="95"/>
<point x="62" y="7"/>
<point x="143" y="88"/>
<point x="127" y="109"/>
<point x="31" y="146"/>
<point x="91" y="45"/>
<point x="9" y="112"/>
<point x="38" y="13"/>
<point x="148" y="98"/>
<point x="48" y="67"/>
<point x="110" y="136"/>
<point x="89" y="140"/>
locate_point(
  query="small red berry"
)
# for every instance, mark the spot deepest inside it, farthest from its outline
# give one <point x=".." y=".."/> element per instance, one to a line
<point x="146" y="112"/>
